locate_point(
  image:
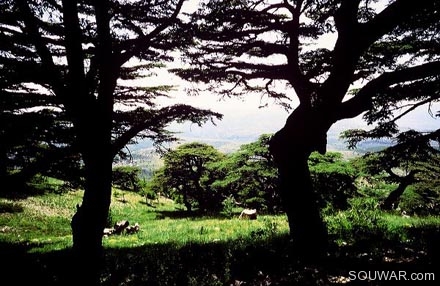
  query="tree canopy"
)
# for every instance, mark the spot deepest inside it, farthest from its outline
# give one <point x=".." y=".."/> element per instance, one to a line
<point x="35" y="69"/>
<point x="386" y="52"/>
<point x="182" y="174"/>
<point x="86" y="56"/>
<point x="333" y="179"/>
<point x="411" y="162"/>
<point x="383" y="58"/>
<point x="250" y="176"/>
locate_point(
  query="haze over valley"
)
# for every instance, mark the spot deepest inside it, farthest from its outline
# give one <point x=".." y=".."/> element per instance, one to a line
<point x="244" y="122"/>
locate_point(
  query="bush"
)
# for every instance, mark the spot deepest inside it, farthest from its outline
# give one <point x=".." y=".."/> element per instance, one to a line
<point x="127" y="178"/>
<point x="420" y="202"/>
<point x="228" y="207"/>
<point x="333" y="179"/>
<point x="363" y="220"/>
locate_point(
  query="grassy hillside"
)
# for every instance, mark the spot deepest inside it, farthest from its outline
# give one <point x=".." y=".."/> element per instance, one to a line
<point x="44" y="222"/>
<point x="175" y="248"/>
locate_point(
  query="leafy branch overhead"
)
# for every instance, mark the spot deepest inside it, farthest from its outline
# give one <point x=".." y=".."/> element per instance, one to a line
<point x="152" y="123"/>
<point x="54" y="57"/>
<point x="89" y="59"/>
<point x="386" y="52"/>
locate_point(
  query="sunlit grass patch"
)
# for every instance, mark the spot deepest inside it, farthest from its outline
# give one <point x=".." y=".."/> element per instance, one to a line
<point x="44" y="223"/>
<point x="201" y="230"/>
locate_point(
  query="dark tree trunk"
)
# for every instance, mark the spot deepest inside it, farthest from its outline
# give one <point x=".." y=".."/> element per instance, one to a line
<point x="93" y="118"/>
<point x="3" y="163"/>
<point x="291" y="148"/>
<point x="393" y="199"/>
<point x="188" y="206"/>
<point x="90" y="218"/>
<point x="186" y="202"/>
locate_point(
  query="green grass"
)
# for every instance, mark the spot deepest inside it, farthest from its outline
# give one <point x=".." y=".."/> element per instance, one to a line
<point x="167" y="223"/>
<point x="44" y="222"/>
<point x="205" y="250"/>
<point x="365" y="221"/>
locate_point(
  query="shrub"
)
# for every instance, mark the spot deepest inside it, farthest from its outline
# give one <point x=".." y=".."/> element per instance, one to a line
<point x="228" y="207"/>
<point x="363" y="220"/>
<point x="127" y="178"/>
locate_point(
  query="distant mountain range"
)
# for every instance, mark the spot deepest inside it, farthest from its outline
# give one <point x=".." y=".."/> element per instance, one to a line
<point x="239" y="128"/>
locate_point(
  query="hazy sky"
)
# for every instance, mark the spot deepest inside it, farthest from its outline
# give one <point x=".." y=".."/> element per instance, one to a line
<point x="243" y="116"/>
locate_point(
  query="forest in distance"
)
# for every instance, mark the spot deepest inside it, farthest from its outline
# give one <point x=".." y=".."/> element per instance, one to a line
<point x="191" y="205"/>
<point x="333" y="176"/>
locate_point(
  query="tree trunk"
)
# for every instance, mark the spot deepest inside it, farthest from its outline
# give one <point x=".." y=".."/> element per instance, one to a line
<point x="392" y="201"/>
<point x="186" y="202"/>
<point x="90" y="219"/>
<point x="3" y="163"/>
<point x="291" y="148"/>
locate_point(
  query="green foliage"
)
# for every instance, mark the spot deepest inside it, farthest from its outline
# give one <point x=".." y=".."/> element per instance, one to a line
<point x="361" y="221"/>
<point x="333" y="179"/>
<point x="420" y="201"/>
<point x="158" y="184"/>
<point x="147" y="191"/>
<point x="127" y="178"/>
<point x="412" y="166"/>
<point x="249" y="175"/>
<point x="228" y="206"/>
<point x="181" y="177"/>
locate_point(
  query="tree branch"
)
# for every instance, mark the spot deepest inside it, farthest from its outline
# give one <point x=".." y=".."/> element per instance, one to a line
<point x="362" y="101"/>
<point x="134" y="46"/>
<point x="161" y="118"/>
<point x="345" y="54"/>
<point x="31" y="28"/>
<point x="396" y="13"/>
<point x="106" y="63"/>
<point x="413" y="106"/>
<point x="74" y="52"/>
<point x="297" y="79"/>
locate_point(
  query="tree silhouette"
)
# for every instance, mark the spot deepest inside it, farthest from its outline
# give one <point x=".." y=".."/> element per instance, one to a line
<point x="411" y="161"/>
<point x="249" y="176"/>
<point x="333" y="179"/>
<point x="181" y="177"/>
<point x="82" y="54"/>
<point x="384" y="58"/>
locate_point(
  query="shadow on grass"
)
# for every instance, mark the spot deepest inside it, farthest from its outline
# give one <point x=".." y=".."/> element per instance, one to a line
<point x="19" y="267"/>
<point x="16" y="189"/>
<point x="248" y="261"/>
<point x="7" y="207"/>
<point x="21" y="191"/>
